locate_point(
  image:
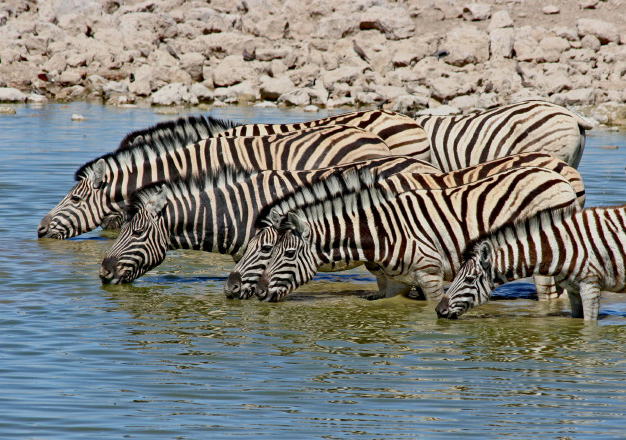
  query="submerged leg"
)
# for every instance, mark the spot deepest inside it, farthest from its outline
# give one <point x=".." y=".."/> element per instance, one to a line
<point x="575" y="301"/>
<point x="590" y="296"/>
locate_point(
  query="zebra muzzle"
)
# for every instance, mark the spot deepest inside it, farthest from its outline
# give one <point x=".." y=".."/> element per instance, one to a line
<point x="232" y="288"/>
<point x="110" y="272"/>
<point x="443" y="309"/>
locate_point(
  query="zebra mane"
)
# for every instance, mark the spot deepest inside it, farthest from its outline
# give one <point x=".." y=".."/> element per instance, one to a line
<point x="163" y="136"/>
<point x="335" y="187"/>
<point x="519" y="228"/>
<point x="184" y="186"/>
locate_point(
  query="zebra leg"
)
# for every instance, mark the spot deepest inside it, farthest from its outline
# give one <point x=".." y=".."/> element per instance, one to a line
<point x="575" y="301"/>
<point x="394" y="288"/>
<point x="381" y="281"/>
<point x="546" y="288"/>
<point x="590" y="296"/>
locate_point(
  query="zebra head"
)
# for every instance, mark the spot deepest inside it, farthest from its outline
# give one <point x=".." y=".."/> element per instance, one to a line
<point x="81" y="210"/>
<point x="472" y="285"/>
<point x="243" y="279"/>
<point x="292" y="262"/>
<point x="141" y="245"/>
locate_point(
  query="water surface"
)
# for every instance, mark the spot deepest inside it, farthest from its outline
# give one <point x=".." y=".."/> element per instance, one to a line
<point x="170" y="357"/>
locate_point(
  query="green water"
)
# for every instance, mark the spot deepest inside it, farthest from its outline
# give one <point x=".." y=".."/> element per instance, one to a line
<point x="170" y="357"/>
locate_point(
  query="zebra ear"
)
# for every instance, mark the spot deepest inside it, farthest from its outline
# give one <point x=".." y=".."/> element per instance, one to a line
<point x="157" y="202"/>
<point x="484" y="254"/>
<point x="275" y="218"/>
<point x="97" y="178"/>
<point x="298" y="225"/>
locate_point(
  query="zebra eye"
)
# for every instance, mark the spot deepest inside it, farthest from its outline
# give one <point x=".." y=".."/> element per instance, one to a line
<point x="470" y="279"/>
<point x="76" y="199"/>
<point x="290" y="254"/>
<point x="267" y="248"/>
<point x="138" y="232"/>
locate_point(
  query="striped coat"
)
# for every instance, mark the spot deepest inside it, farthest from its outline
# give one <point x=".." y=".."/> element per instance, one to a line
<point x="104" y="184"/>
<point x="412" y="238"/>
<point x="214" y="212"/>
<point x="460" y="141"/>
<point x="246" y="274"/>
<point x="584" y="251"/>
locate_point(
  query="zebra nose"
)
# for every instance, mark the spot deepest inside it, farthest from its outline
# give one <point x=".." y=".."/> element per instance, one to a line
<point x="262" y="287"/>
<point x="42" y="230"/>
<point x="232" y="288"/>
<point x="443" y="308"/>
<point x="107" y="270"/>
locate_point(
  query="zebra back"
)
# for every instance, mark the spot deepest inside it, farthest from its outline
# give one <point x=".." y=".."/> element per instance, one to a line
<point x="460" y="141"/>
<point x="402" y="134"/>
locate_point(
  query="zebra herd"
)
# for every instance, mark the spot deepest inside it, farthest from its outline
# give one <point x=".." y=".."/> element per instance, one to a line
<point x="478" y="200"/>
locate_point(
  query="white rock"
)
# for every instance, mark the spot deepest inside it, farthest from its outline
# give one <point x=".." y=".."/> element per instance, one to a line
<point x="9" y="94"/>
<point x="78" y="117"/>
<point x="192" y="63"/>
<point x="588" y="4"/>
<point x="552" y="47"/>
<point x="36" y="98"/>
<point x="175" y="93"/>
<point x="232" y="70"/>
<point x="114" y="87"/>
<point x="442" y="110"/>
<point x="298" y="97"/>
<point x="467" y="45"/>
<point x="265" y="104"/>
<point x="7" y="110"/>
<point x="476" y="11"/>
<point x="576" y="97"/>
<point x="500" y="19"/>
<point x="272" y="88"/>
<point x="603" y="30"/>
<point x="550" y="9"/>
<point x="311" y="108"/>
<point x="201" y="92"/>
<point x="409" y="103"/>
<point x="395" y="23"/>
<point x="501" y="43"/>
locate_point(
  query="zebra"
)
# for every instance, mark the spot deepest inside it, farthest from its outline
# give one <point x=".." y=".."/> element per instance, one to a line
<point x="104" y="183"/>
<point x="247" y="272"/>
<point x="412" y="238"/>
<point x="583" y="250"/>
<point x="214" y="212"/>
<point x="460" y="141"/>
<point x="402" y="134"/>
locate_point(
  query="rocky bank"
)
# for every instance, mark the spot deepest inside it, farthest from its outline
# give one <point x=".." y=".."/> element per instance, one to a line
<point x="420" y="55"/>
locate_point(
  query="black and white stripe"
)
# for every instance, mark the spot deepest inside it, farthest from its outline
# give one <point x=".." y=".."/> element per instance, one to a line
<point x="460" y="141"/>
<point x="104" y="184"/>
<point x="214" y="212"/>
<point x="411" y="238"/>
<point x="584" y="251"/>
<point x="246" y="274"/>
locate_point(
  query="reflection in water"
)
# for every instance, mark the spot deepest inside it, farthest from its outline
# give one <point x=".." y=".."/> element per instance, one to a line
<point x="170" y="356"/>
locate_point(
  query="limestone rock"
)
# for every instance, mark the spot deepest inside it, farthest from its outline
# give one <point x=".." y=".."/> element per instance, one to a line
<point x="500" y="19"/>
<point x="175" y="93"/>
<point x="501" y="43"/>
<point x="552" y="47"/>
<point x="272" y="88"/>
<point x="395" y="23"/>
<point x="9" y="94"/>
<point x="201" y="92"/>
<point x="466" y="45"/>
<point x="603" y="30"/>
<point x="476" y="11"/>
<point x="192" y="63"/>
<point x="231" y="70"/>
<point x="550" y="9"/>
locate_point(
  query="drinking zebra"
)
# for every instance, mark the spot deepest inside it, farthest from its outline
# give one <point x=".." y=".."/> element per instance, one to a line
<point x="246" y="274"/>
<point x="411" y="238"/>
<point x="460" y="141"/>
<point x="584" y="251"/>
<point x="214" y="212"/>
<point x="105" y="183"/>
